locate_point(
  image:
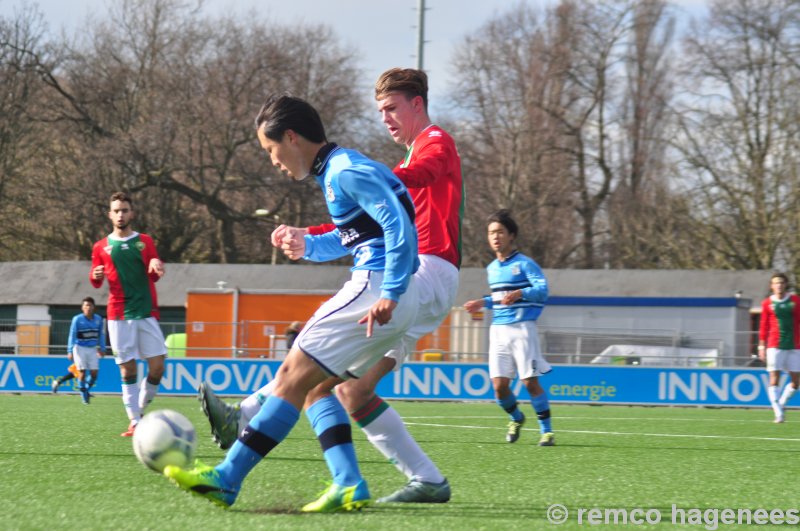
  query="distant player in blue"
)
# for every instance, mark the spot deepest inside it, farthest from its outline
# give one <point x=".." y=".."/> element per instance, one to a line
<point x="374" y="218"/>
<point x="519" y="291"/>
<point x="86" y="344"/>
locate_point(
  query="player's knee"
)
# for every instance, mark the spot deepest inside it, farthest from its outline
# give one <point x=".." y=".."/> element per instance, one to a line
<point x="354" y="393"/>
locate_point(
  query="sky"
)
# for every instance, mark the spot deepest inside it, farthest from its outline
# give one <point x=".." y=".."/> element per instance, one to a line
<point x="382" y="31"/>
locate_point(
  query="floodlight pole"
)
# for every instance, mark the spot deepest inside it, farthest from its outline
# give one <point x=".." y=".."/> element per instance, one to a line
<point x="420" y="33"/>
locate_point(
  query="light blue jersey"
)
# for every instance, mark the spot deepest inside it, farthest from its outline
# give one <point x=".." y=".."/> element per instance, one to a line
<point x="374" y="218"/>
<point x="86" y="333"/>
<point x="516" y="272"/>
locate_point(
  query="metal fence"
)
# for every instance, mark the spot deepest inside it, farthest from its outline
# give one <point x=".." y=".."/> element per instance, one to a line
<point x="463" y="338"/>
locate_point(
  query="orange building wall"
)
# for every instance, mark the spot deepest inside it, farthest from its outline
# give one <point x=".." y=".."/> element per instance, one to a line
<point x="262" y="317"/>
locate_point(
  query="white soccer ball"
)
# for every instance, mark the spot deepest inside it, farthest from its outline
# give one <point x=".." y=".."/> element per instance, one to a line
<point x="162" y="438"/>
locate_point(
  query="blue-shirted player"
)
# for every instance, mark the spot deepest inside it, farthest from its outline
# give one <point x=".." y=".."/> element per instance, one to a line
<point x="374" y="216"/>
<point x="519" y="291"/>
<point x="86" y="344"/>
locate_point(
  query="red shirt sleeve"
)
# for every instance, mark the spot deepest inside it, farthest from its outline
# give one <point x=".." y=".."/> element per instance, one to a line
<point x="321" y="229"/>
<point x="763" y="326"/>
<point x="96" y="261"/>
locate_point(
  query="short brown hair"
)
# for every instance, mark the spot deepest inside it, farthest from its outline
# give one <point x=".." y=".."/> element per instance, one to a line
<point x="121" y="196"/>
<point x="409" y="81"/>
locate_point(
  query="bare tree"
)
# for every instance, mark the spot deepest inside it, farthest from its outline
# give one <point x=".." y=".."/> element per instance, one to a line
<point x="739" y="134"/>
<point x="160" y="101"/>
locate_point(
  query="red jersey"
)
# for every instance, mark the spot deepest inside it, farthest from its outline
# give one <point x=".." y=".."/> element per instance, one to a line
<point x="132" y="290"/>
<point x="431" y="170"/>
<point x="780" y="322"/>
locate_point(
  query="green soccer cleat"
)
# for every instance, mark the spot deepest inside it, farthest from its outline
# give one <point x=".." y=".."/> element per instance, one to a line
<point x="416" y="491"/>
<point x="224" y="418"/>
<point x="337" y="498"/>
<point x="514" y="428"/>
<point x="204" y="481"/>
<point x="547" y="439"/>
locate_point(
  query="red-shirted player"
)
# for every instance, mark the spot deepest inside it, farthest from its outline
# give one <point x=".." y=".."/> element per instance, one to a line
<point x="431" y="169"/>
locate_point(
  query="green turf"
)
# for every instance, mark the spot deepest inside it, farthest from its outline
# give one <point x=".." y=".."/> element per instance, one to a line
<point x="64" y="466"/>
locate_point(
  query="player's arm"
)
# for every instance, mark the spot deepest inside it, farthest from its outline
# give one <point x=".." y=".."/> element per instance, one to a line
<point x="538" y="290"/>
<point x="72" y="338"/>
<point x="475" y="305"/>
<point x="291" y="240"/>
<point x="324" y="248"/>
<point x="155" y="267"/>
<point x="429" y="164"/>
<point x="97" y="271"/>
<point x="763" y="329"/>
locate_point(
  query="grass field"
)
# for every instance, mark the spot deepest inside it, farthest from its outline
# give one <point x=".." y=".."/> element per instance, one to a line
<point x="65" y="467"/>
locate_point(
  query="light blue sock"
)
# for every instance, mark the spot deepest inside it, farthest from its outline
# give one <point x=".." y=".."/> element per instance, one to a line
<point x="331" y="423"/>
<point x="89" y="382"/>
<point x="509" y="404"/>
<point x="542" y="407"/>
<point x="265" y="431"/>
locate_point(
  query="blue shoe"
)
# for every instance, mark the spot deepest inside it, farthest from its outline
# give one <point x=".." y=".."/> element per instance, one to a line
<point x="204" y="481"/>
<point x="337" y="498"/>
<point x="85" y="396"/>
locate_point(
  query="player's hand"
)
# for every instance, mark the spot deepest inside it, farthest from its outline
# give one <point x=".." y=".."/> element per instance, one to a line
<point x="293" y="245"/>
<point x="511" y="297"/>
<point x="100" y="353"/>
<point x="69" y="356"/>
<point x="762" y="353"/>
<point x="380" y="312"/>
<point x="278" y="234"/>
<point x="474" y="305"/>
<point x="99" y="272"/>
<point x="156" y="266"/>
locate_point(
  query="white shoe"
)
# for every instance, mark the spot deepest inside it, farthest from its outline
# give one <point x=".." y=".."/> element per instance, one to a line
<point x="778" y="419"/>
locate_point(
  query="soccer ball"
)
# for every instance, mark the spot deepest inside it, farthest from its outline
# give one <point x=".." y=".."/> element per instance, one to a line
<point x="162" y="438"/>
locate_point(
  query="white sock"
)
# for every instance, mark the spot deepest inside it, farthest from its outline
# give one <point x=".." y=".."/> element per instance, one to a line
<point x="773" y="398"/>
<point x="252" y="404"/>
<point x="130" y="398"/>
<point x="147" y="393"/>
<point x="389" y="435"/>
<point x="787" y="394"/>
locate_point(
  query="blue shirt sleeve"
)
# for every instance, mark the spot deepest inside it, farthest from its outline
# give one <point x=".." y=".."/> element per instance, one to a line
<point x="324" y="247"/>
<point x="538" y="291"/>
<point x="374" y="195"/>
<point x="73" y="334"/>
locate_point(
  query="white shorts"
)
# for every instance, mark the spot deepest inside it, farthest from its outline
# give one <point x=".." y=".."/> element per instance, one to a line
<point x="783" y="360"/>
<point x="136" y="339"/>
<point x="85" y="358"/>
<point x="514" y="351"/>
<point x="437" y="286"/>
<point x="338" y="344"/>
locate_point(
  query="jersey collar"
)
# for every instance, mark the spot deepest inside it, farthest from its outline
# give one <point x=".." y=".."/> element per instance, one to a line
<point x="322" y="158"/>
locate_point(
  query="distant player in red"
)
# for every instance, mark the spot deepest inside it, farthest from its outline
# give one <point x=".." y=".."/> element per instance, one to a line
<point x="779" y="341"/>
<point x="130" y="262"/>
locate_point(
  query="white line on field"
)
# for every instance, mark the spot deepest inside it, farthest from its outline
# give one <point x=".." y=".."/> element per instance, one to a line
<point x="570" y="417"/>
<point x="589" y="432"/>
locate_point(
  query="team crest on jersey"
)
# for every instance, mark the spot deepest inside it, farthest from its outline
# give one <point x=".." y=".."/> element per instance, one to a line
<point x="434" y="133"/>
<point x="515" y="270"/>
<point x="139" y="245"/>
<point x="124" y="247"/>
<point x="329" y="192"/>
